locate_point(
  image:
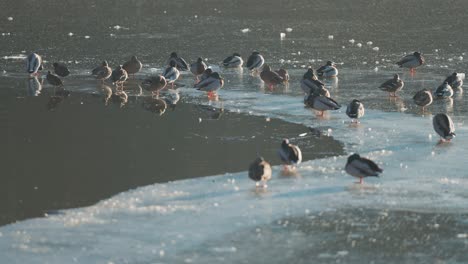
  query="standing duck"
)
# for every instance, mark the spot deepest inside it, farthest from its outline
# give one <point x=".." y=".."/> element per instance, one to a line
<point x="310" y="83"/>
<point x="119" y="76"/>
<point x="181" y="64"/>
<point x="328" y="70"/>
<point x="211" y="84"/>
<point x="197" y="68"/>
<point x="393" y="85"/>
<point x="355" y="110"/>
<point x="270" y="77"/>
<point x="444" y="91"/>
<point x="102" y="72"/>
<point x="361" y="167"/>
<point x="260" y="172"/>
<point x="443" y="125"/>
<point x="33" y="64"/>
<point x="171" y="73"/>
<point x="411" y="61"/>
<point x="233" y="61"/>
<point x="255" y="61"/>
<point x="132" y="66"/>
<point x="53" y="79"/>
<point x="284" y="74"/>
<point x="321" y="103"/>
<point x="423" y="98"/>
<point x="154" y="84"/>
<point x="206" y="74"/>
<point x="455" y="80"/>
<point x="61" y="69"/>
<point x="289" y="154"/>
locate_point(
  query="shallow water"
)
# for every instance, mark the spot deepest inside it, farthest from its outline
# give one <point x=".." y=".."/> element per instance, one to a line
<point x="415" y="213"/>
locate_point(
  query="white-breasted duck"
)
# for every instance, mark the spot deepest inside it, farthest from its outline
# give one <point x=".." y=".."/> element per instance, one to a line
<point x="233" y="61"/>
<point x="328" y="70"/>
<point x="455" y="80"/>
<point x="443" y="91"/>
<point x="255" y="61"/>
<point x="171" y="73"/>
<point x="33" y="63"/>
<point x="289" y="154"/>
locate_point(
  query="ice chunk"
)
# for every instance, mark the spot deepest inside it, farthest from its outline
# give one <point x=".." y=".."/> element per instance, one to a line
<point x="375" y="48"/>
<point x="245" y="30"/>
<point x="330" y="37"/>
<point x="369" y="43"/>
<point x="10" y="18"/>
<point x="289" y="30"/>
<point x="282" y="35"/>
<point x="359" y="45"/>
<point x="351" y="41"/>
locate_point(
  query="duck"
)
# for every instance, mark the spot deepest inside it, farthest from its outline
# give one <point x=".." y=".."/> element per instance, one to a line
<point x="444" y="91"/>
<point x="284" y="74"/>
<point x="102" y="72"/>
<point x="310" y="82"/>
<point x="61" y="69"/>
<point x="411" y="61"/>
<point x="171" y="73"/>
<point x="206" y="74"/>
<point x="260" y="172"/>
<point x="255" y="61"/>
<point x="33" y="64"/>
<point x="270" y="77"/>
<point x="321" y="103"/>
<point x="211" y="84"/>
<point x="197" y="68"/>
<point x="423" y="98"/>
<point x="327" y="70"/>
<point x="119" y="76"/>
<point x="455" y="80"/>
<point x="132" y="66"/>
<point x="355" y="110"/>
<point x="154" y="84"/>
<point x="53" y="79"/>
<point x="360" y="167"/>
<point x="393" y="85"/>
<point x="233" y="61"/>
<point x="289" y="154"/>
<point x="443" y="125"/>
<point x="181" y="64"/>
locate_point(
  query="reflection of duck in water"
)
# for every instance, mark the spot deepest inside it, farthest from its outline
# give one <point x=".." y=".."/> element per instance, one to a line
<point x="106" y="92"/>
<point x="53" y="79"/>
<point x="210" y="112"/>
<point x="443" y="125"/>
<point x="260" y="172"/>
<point x="59" y="95"/>
<point x="155" y="105"/>
<point x="120" y="97"/>
<point x="172" y="97"/>
<point x="34" y="86"/>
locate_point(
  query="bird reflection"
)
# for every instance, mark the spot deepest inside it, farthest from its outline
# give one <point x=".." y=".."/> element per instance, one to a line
<point x="172" y="97"/>
<point x="155" y="105"/>
<point x="54" y="100"/>
<point x="34" y="86"/>
<point x="106" y="91"/>
<point x="120" y="97"/>
<point x="398" y="102"/>
<point x="211" y="112"/>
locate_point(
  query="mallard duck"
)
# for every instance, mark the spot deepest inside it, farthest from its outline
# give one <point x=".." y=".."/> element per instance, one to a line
<point x="393" y="85"/>
<point x="171" y="73"/>
<point x="289" y="154"/>
<point x="270" y="77"/>
<point x="328" y="70"/>
<point x="154" y="84"/>
<point x="119" y="75"/>
<point x="444" y="91"/>
<point x="233" y="61"/>
<point x="61" y="69"/>
<point x="423" y="98"/>
<point x="33" y="64"/>
<point x="197" y="68"/>
<point x="310" y="83"/>
<point x="443" y="125"/>
<point x="206" y="74"/>
<point x="455" y="80"/>
<point x="53" y="79"/>
<point x="260" y="172"/>
<point x="321" y="103"/>
<point x="411" y="61"/>
<point x="361" y="167"/>
<point x="133" y="65"/>
<point x="284" y="74"/>
<point x="181" y="64"/>
<point x="211" y="84"/>
<point x="255" y="61"/>
<point x="102" y="72"/>
<point x="355" y="110"/>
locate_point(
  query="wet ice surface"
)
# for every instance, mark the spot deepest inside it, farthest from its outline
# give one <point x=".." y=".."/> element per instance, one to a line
<point x="416" y="212"/>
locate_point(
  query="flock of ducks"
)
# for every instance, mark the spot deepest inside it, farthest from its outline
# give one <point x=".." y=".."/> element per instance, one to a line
<point x="316" y="97"/>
